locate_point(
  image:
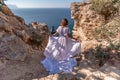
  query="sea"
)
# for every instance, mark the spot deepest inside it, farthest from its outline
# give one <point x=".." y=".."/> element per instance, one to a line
<point x="51" y="16"/>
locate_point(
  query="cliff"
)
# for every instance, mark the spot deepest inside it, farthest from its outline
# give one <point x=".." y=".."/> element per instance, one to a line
<point x="85" y="20"/>
<point x="21" y="47"/>
<point x="98" y="29"/>
<point x="92" y="27"/>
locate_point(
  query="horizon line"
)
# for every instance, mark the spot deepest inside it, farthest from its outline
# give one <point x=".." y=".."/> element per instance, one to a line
<point x="42" y="7"/>
<point x="34" y="7"/>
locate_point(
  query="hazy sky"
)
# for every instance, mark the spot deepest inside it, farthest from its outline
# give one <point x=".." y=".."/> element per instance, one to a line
<point x="42" y="3"/>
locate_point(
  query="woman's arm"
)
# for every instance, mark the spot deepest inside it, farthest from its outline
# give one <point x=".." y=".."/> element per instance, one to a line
<point x="57" y="31"/>
<point x="55" y="34"/>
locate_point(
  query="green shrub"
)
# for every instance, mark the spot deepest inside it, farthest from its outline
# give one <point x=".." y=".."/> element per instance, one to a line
<point x="108" y="31"/>
<point x="115" y="45"/>
<point x="2" y="3"/>
<point x="105" y="7"/>
<point x="0" y="7"/>
<point x="37" y="39"/>
<point x="100" y="53"/>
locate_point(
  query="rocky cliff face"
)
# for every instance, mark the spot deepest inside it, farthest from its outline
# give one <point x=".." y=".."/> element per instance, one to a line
<point x="92" y="30"/>
<point x="86" y="23"/>
<point x="21" y="47"/>
<point x="85" y="20"/>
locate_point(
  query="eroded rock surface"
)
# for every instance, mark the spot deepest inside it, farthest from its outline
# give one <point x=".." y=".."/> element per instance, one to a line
<point x="21" y="48"/>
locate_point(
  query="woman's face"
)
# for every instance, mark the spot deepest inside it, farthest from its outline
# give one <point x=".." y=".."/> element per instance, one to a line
<point x="63" y="23"/>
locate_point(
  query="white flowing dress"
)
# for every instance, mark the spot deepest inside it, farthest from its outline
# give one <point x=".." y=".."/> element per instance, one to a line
<point x="59" y="52"/>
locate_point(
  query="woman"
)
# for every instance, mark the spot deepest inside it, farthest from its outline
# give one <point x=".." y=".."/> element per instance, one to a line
<point x="60" y="50"/>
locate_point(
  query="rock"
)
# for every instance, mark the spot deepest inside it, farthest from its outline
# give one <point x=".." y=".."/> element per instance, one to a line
<point x="86" y="20"/>
<point x="21" y="48"/>
<point x="108" y="73"/>
<point x="15" y="25"/>
<point x="42" y="27"/>
<point x="13" y="48"/>
<point x="39" y="35"/>
<point x="34" y="25"/>
<point x="6" y="10"/>
<point x="20" y="20"/>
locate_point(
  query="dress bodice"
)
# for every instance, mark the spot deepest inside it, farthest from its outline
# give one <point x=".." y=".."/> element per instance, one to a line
<point x="63" y="31"/>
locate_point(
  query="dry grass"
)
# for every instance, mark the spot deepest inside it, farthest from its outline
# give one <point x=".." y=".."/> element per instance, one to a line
<point x="105" y="7"/>
<point x="108" y="31"/>
<point x="0" y="7"/>
<point x="99" y="55"/>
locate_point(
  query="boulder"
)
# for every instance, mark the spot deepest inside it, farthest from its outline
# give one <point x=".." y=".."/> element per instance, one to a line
<point x="13" y="48"/>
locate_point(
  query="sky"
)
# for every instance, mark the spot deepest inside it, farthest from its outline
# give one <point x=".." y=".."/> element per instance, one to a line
<point x="41" y="3"/>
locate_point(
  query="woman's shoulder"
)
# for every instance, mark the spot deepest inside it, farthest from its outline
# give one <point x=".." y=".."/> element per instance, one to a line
<point x="67" y="27"/>
<point x="60" y="27"/>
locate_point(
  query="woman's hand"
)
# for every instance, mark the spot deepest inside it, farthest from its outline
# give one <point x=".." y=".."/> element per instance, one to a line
<point x="55" y="34"/>
<point x="75" y="39"/>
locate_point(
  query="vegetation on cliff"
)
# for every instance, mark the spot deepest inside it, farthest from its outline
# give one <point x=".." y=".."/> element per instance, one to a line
<point x="106" y="8"/>
<point x="97" y="26"/>
<point x="109" y="31"/>
<point x="21" y="47"/>
<point x="1" y="3"/>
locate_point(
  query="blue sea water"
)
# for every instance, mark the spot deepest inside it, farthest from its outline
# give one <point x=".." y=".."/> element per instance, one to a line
<point x="50" y="16"/>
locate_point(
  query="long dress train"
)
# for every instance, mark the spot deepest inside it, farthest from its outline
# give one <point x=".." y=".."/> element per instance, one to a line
<point x="59" y="52"/>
